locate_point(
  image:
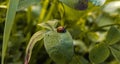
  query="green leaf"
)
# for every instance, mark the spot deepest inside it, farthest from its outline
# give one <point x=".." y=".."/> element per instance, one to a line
<point x="99" y="53"/>
<point x="76" y="4"/>
<point x="113" y="36"/>
<point x="112" y="7"/>
<point x="26" y="3"/>
<point x="36" y="37"/>
<point x="50" y="25"/>
<point x="59" y="46"/>
<point x="12" y="7"/>
<point x="74" y="16"/>
<point x="115" y="53"/>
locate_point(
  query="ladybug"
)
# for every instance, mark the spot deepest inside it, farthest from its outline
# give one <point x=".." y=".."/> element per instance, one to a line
<point x="61" y="29"/>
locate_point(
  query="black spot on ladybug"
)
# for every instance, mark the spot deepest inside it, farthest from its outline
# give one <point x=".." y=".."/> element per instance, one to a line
<point x="61" y="29"/>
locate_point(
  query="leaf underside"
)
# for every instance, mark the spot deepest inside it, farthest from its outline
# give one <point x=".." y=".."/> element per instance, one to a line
<point x="36" y="37"/>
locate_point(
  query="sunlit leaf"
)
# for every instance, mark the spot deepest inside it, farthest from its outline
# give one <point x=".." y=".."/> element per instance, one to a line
<point x="113" y="36"/>
<point x="36" y="37"/>
<point x="59" y="46"/>
<point x="116" y="53"/>
<point x="12" y="7"/>
<point x="99" y="53"/>
<point x="112" y="7"/>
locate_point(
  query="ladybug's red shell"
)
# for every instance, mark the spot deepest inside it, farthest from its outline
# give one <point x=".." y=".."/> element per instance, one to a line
<point x="61" y="29"/>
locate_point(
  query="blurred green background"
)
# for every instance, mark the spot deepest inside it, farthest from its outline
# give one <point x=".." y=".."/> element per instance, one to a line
<point x="86" y="27"/>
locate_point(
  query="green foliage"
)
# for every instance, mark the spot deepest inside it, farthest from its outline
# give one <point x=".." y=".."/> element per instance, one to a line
<point x="116" y="53"/>
<point x="36" y="37"/>
<point x="88" y="33"/>
<point x="113" y="36"/>
<point x="59" y="46"/>
<point x="76" y="4"/>
<point x="99" y="53"/>
<point x="10" y="15"/>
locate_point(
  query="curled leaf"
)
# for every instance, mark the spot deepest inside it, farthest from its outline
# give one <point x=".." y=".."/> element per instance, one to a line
<point x="36" y="37"/>
<point x="50" y="25"/>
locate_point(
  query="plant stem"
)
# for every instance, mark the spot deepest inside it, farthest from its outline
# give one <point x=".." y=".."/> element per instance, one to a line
<point x="43" y="11"/>
<point x="50" y="10"/>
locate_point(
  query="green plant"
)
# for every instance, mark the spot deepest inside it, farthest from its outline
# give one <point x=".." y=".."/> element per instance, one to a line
<point x="91" y="34"/>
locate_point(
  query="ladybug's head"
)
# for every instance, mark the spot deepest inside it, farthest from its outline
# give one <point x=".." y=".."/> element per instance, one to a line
<point x="61" y="29"/>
